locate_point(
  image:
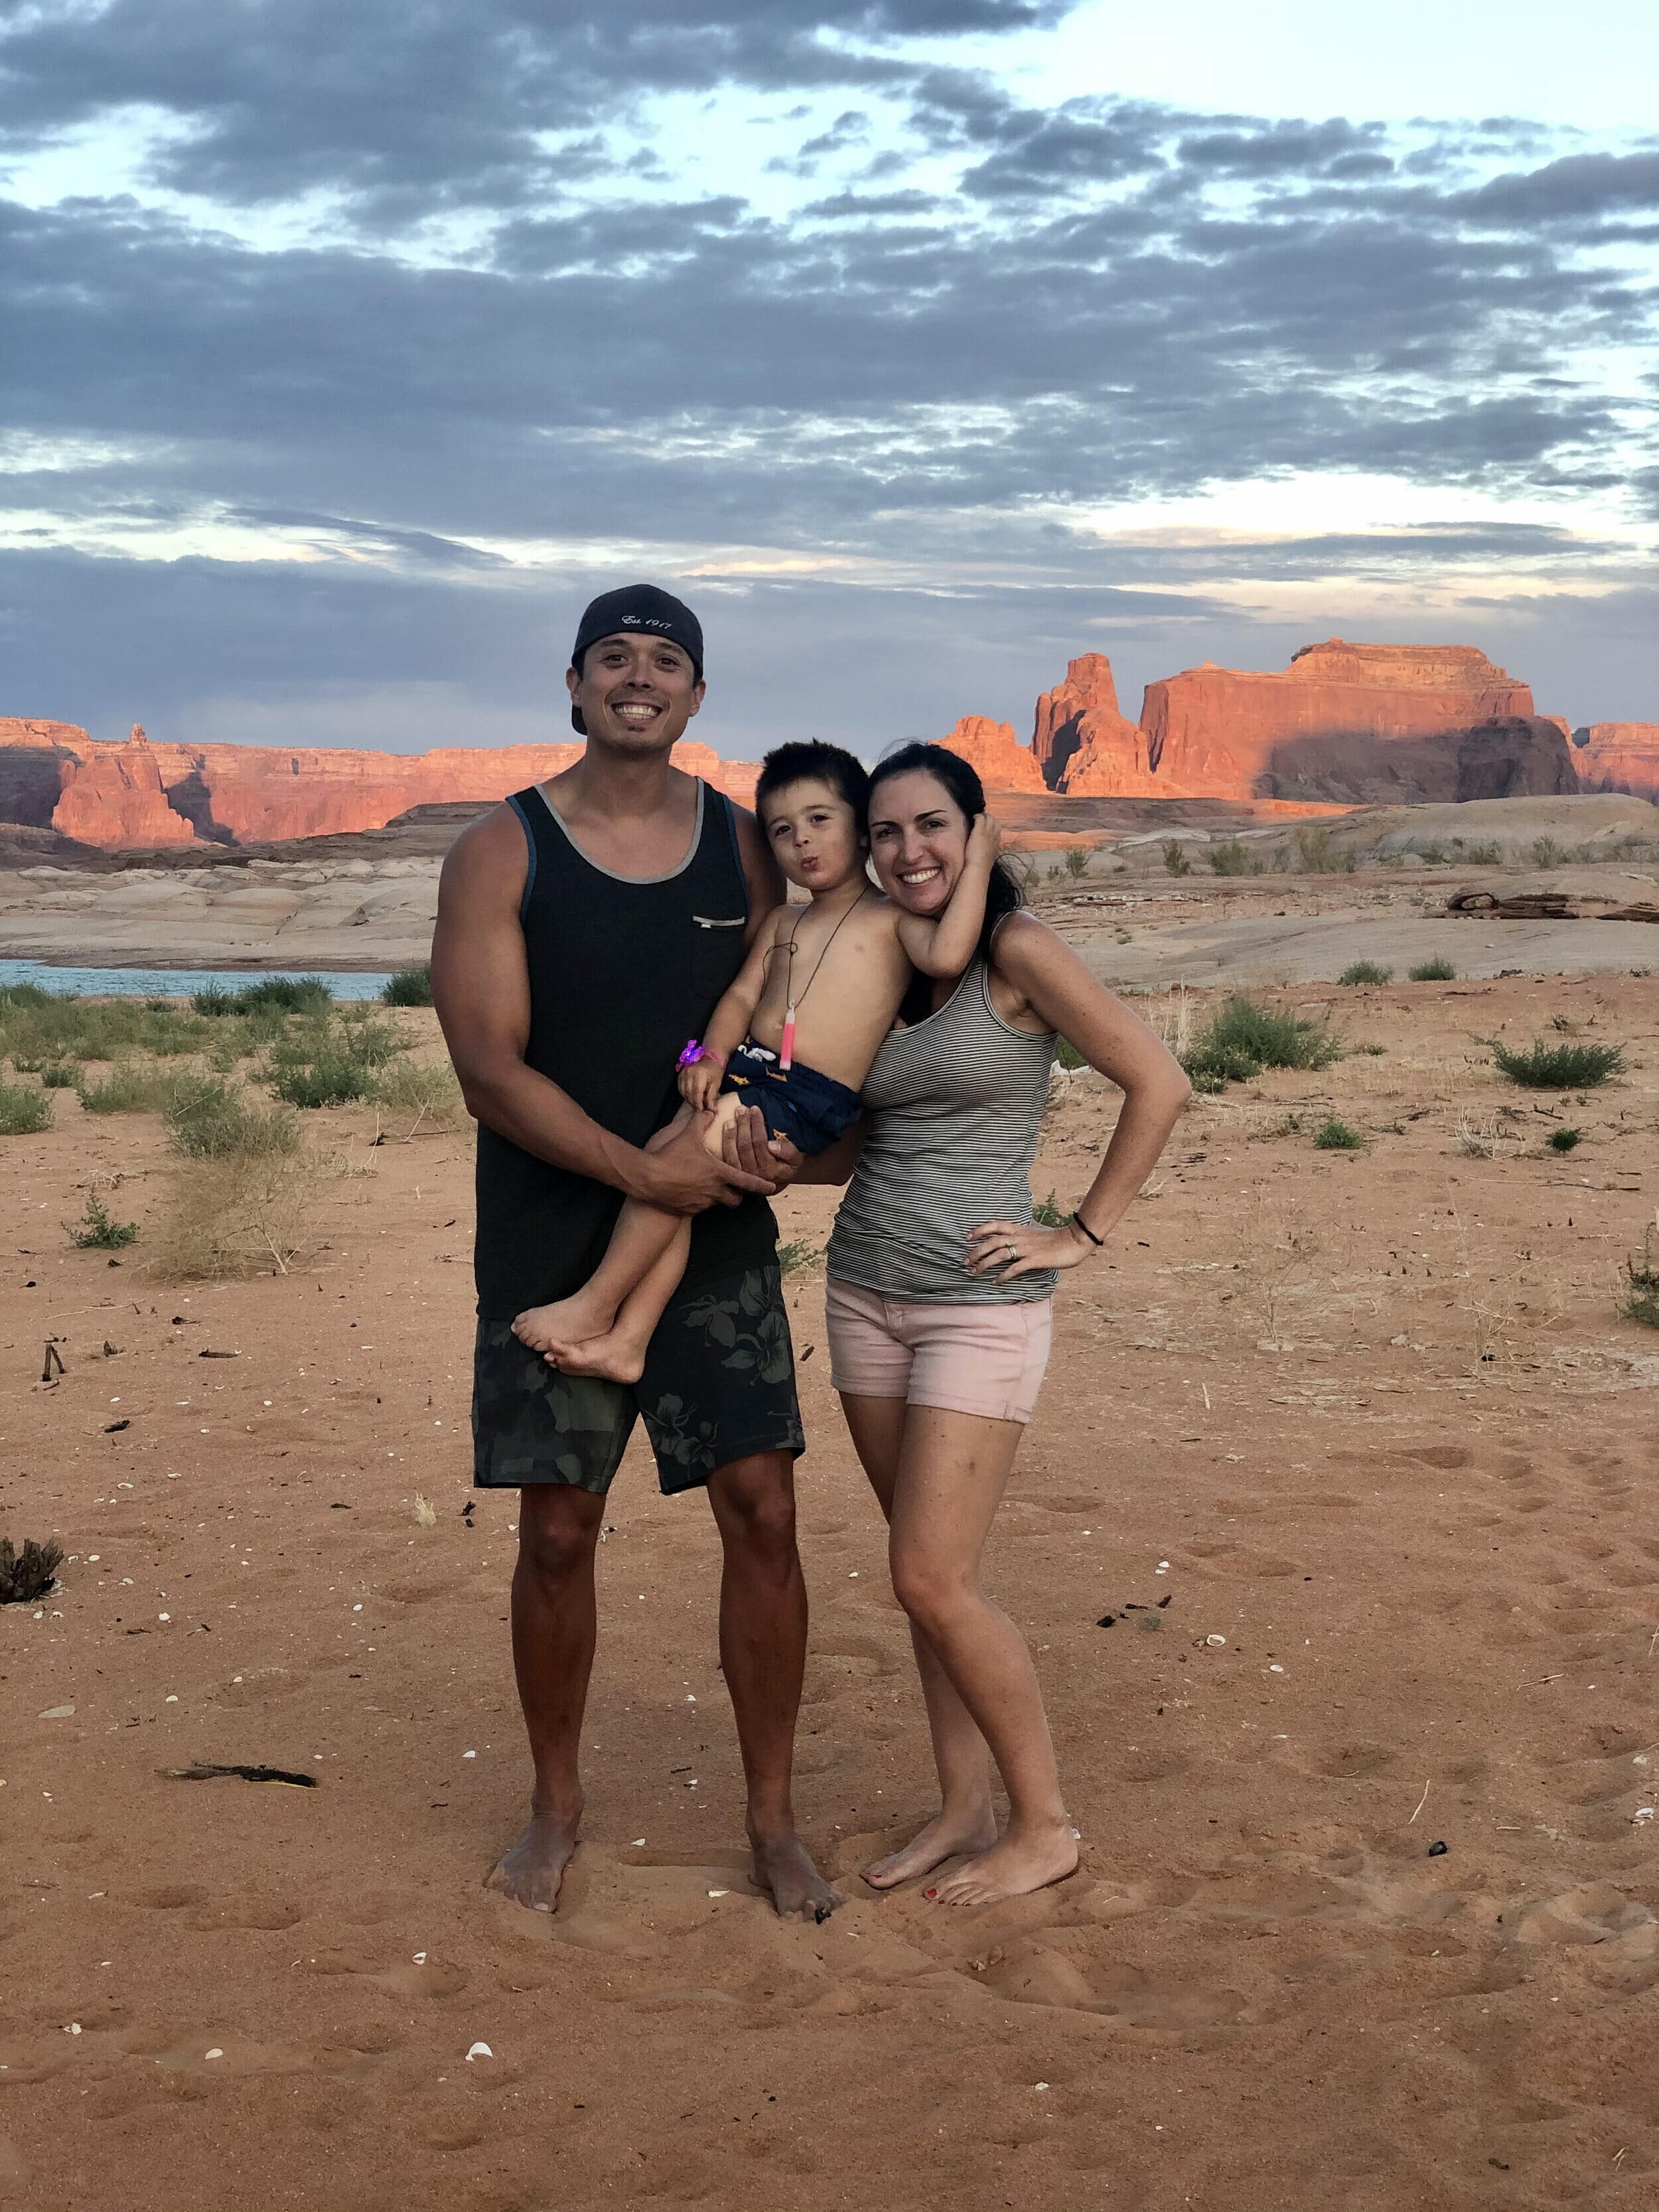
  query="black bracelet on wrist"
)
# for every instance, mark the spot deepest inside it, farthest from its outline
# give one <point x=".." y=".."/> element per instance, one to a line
<point x="1078" y="1222"/>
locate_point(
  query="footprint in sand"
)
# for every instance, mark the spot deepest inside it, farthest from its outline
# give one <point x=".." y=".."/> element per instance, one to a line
<point x="248" y="1911"/>
<point x="1352" y="1762"/>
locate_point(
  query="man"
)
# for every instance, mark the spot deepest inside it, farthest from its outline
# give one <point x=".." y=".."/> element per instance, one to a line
<point x="585" y="929"/>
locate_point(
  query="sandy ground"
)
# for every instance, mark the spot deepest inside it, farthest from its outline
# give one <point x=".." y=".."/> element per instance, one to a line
<point x="1353" y="1448"/>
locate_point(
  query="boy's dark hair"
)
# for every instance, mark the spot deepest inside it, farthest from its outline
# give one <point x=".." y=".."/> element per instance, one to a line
<point x="960" y="781"/>
<point x="810" y="759"/>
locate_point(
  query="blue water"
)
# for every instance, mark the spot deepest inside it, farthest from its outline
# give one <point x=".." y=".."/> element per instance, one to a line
<point x="178" y="982"/>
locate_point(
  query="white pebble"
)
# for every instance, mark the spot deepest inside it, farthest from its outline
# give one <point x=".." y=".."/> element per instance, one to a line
<point x="479" y="2050"/>
<point x="468" y="1754"/>
<point x="214" y="2053"/>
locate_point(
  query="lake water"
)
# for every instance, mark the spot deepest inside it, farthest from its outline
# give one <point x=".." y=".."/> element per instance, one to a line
<point x="178" y="982"/>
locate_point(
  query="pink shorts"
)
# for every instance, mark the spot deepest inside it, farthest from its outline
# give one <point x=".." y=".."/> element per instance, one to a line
<point x="984" y="1360"/>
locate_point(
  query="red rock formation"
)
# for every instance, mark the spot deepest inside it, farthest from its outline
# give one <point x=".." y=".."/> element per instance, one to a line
<point x="141" y="793"/>
<point x="1083" y="742"/>
<point x="1619" y="757"/>
<point x="1330" y="726"/>
<point x="33" y="756"/>
<point x="114" y="797"/>
<point x="1003" y="763"/>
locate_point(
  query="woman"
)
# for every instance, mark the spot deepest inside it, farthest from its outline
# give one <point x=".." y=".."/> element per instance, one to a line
<point x="940" y="1305"/>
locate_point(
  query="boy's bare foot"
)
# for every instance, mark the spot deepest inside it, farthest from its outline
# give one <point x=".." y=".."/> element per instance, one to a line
<point x="561" y="1327"/>
<point x="1023" y="1861"/>
<point x="947" y="1836"/>
<point x="783" y="1869"/>
<point x="616" y="1357"/>
<point x="532" y="1871"/>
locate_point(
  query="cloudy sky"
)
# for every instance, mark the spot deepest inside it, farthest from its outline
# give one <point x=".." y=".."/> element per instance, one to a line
<point x="922" y="343"/>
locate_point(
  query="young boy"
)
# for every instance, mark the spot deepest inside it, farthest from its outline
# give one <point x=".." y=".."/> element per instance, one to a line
<point x="794" y="1036"/>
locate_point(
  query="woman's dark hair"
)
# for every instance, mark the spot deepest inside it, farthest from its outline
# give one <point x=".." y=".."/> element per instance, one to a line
<point x="961" y="780"/>
<point x="811" y="760"/>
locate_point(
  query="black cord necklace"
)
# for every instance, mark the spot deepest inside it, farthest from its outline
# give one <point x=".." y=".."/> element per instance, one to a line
<point x="786" y="1054"/>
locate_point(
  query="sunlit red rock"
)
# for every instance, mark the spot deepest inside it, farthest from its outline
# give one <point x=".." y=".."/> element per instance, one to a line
<point x="1329" y="725"/>
<point x="1082" y="740"/>
<point x="115" y="797"/>
<point x="1619" y="757"/>
<point x="991" y="747"/>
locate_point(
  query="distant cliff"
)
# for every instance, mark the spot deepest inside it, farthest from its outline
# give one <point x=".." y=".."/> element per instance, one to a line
<point x="1619" y="757"/>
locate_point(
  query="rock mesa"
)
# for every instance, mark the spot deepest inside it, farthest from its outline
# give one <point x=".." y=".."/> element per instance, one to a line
<point x="1003" y="763"/>
<point x="1619" y="757"/>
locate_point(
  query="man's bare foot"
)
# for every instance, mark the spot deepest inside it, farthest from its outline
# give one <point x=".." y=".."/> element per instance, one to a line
<point x="530" y="1872"/>
<point x="947" y="1836"/>
<point x="561" y="1327"/>
<point x="1023" y="1861"/>
<point x="796" y="1888"/>
<point x="616" y="1357"/>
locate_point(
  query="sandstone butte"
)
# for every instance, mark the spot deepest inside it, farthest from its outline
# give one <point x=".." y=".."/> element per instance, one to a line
<point x="1344" y="724"/>
<point x="1619" y="757"/>
<point x="146" y="795"/>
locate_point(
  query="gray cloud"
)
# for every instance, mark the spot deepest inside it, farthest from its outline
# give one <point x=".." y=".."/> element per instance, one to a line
<point x="1121" y="301"/>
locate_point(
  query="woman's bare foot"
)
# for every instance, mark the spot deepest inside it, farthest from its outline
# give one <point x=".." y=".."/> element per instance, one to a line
<point x="561" y="1327"/>
<point x="1024" y="1860"/>
<point x="614" y="1357"/>
<point x="947" y="1836"/>
<point x="783" y="1869"/>
<point x="530" y="1872"/>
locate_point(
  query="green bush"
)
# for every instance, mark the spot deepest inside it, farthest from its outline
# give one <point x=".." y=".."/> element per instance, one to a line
<point x="1047" y="1214"/>
<point x="1366" y="971"/>
<point x="1641" y="1299"/>
<point x="285" y="994"/>
<point x="1488" y="854"/>
<point x="207" y="1120"/>
<point x="1068" y="1055"/>
<point x="1334" y="1136"/>
<point x="97" y="1232"/>
<point x="1242" y="1038"/>
<point x="330" y="1078"/>
<point x="412" y="986"/>
<point x="1565" y="1140"/>
<point x="1175" y="857"/>
<point x="1320" y="857"/>
<point x="1559" y="1067"/>
<point x="1545" y="853"/>
<point x="1077" y="864"/>
<point x="47" y="1028"/>
<point x="1438" y="970"/>
<point x="131" y="1088"/>
<point x="60" y="1075"/>
<point x="214" y="1002"/>
<point x="24" y="994"/>
<point x="23" y="1112"/>
<point x="1233" y="858"/>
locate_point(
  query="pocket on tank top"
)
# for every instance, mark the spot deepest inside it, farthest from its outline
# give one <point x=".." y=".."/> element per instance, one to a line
<point x="716" y="955"/>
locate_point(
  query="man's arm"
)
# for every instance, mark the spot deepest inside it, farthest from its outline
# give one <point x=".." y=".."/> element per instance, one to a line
<point x="480" y="989"/>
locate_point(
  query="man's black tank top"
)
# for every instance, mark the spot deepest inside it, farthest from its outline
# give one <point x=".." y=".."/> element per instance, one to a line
<point x="622" y="973"/>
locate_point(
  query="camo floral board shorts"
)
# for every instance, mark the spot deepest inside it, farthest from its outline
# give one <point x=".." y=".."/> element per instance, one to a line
<point x="719" y="1384"/>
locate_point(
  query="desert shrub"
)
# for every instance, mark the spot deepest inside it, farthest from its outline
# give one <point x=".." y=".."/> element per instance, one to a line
<point x="797" y="1256"/>
<point x="236" y="1214"/>
<point x="285" y="994"/>
<point x="133" y="1087"/>
<point x="1488" y="855"/>
<point x="23" y="1112"/>
<point x="426" y="1088"/>
<point x="1565" y="1140"/>
<point x="1366" y="971"/>
<point x="1047" y="1214"/>
<point x="30" y="1573"/>
<point x="1559" y="1067"/>
<point x="1438" y="970"/>
<point x="60" y="1075"/>
<point x="1175" y="857"/>
<point x="333" y="1062"/>
<point x="96" y="1232"/>
<point x="331" y="1078"/>
<point x="213" y="1003"/>
<point x="1334" y="1136"/>
<point x="1545" y="853"/>
<point x="96" y="1029"/>
<point x="1077" y="862"/>
<point x="1242" y="1038"/>
<point x="1233" y="858"/>
<point x="1640" y="1301"/>
<point x="1068" y="1055"/>
<point x="1319" y="857"/>
<point x="209" y="1120"/>
<point x="412" y="986"/>
<point x="23" y="994"/>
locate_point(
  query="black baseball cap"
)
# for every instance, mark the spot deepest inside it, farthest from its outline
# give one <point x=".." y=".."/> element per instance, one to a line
<point x="637" y="607"/>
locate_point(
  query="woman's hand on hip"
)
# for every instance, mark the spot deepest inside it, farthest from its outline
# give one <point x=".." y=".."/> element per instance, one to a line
<point x="1004" y="1250"/>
